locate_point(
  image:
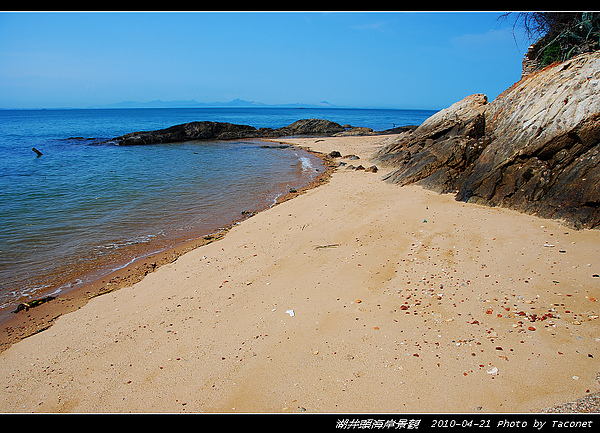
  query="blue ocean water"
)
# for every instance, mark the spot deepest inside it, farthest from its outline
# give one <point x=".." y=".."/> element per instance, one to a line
<point x="85" y="205"/>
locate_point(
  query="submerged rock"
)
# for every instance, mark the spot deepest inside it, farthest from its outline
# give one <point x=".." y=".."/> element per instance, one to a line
<point x="534" y="149"/>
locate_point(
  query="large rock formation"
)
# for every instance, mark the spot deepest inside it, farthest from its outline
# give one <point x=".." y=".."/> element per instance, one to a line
<point x="535" y="148"/>
<point x="207" y="130"/>
<point x="308" y="127"/>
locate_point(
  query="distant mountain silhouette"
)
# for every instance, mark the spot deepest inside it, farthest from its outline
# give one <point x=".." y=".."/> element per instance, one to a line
<point x="191" y="104"/>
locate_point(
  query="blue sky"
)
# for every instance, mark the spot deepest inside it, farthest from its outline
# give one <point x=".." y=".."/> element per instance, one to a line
<point x="355" y="59"/>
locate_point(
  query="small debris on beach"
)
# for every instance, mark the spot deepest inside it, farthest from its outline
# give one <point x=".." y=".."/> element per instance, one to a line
<point x="31" y="304"/>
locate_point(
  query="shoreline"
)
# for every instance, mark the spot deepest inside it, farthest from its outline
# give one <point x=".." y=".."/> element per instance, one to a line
<point x="15" y="327"/>
<point x="359" y="296"/>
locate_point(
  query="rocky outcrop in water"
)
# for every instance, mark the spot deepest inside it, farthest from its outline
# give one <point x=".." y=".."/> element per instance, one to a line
<point x="534" y="149"/>
<point x="206" y="130"/>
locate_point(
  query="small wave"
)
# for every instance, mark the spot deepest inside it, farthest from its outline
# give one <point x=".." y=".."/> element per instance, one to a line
<point x="8" y="299"/>
<point x="124" y="265"/>
<point x="129" y="242"/>
<point x="306" y="164"/>
<point x="275" y="200"/>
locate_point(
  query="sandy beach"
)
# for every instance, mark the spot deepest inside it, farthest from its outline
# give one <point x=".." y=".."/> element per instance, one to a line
<point x="357" y="296"/>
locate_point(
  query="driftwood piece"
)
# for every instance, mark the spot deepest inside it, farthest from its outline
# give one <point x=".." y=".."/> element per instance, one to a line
<point x="31" y="304"/>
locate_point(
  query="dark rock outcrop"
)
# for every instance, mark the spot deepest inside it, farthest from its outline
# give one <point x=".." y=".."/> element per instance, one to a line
<point x="309" y="127"/>
<point x="535" y="149"/>
<point x="206" y="130"/>
<point x="184" y="132"/>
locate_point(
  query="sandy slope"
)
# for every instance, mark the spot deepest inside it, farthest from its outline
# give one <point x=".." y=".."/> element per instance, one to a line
<point x="403" y="301"/>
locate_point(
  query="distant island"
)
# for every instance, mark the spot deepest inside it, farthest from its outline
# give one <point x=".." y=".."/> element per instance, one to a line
<point x="193" y="104"/>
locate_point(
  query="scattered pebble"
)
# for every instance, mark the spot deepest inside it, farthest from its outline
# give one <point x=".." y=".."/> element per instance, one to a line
<point x="588" y="404"/>
<point x="492" y="371"/>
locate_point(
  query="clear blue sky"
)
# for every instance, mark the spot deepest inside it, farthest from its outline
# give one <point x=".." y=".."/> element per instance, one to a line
<point x="355" y="59"/>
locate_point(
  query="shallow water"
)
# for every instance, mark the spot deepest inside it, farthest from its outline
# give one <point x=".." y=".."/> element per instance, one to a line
<point x="85" y="206"/>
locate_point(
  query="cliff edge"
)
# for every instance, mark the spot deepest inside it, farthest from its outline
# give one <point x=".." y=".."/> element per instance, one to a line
<point x="534" y="149"/>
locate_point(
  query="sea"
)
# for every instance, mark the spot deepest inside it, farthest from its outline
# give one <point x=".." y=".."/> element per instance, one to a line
<point x="85" y="207"/>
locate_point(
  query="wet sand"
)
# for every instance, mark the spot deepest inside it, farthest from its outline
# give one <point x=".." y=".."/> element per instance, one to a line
<point x="357" y="296"/>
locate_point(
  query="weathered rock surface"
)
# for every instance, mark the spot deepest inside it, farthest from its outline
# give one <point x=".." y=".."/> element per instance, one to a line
<point x="355" y="131"/>
<point x="310" y="127"/>
<point x="206" y="130"/>
<point x="535" y="148"/>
